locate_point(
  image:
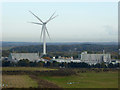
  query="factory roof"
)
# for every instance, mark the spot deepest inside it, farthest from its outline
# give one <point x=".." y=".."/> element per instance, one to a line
<point x="29" y="56"/>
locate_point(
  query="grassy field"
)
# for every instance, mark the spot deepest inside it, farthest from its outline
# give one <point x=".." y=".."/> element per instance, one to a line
<point x="26" y="69"/>
<point x="86" y="80"/>
<point x="53" y="79"/>
<point x="18" y="81"/>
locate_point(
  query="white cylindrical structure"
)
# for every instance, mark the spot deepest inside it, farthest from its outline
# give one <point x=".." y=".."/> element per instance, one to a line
<point x="44" y="41"/>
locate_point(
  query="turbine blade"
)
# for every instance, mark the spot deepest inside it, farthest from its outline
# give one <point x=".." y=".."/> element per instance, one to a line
<point x="47" y="32"/>
<point x="52" y="18"/>
<point x="36" y="17"/>
<point x="35" y="23"/>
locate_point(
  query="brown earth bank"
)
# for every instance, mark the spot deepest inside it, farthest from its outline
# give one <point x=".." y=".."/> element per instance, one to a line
<point x="59" y="72"/>
<point x="60" y="89"/>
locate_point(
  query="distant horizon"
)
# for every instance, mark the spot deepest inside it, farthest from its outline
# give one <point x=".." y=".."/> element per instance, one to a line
<point x="64" y="42"/>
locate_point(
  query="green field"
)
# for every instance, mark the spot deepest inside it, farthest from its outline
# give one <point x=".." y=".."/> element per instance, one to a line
<point x="86" y="80"/>
<point x="18" y="81"/>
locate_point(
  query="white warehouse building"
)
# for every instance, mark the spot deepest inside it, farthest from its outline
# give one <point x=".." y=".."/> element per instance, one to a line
<point x="95" y="58"/>
<point x="14" y="57"/>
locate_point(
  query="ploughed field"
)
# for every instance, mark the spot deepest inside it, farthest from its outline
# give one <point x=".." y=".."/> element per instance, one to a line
<point x="36" y="77"/>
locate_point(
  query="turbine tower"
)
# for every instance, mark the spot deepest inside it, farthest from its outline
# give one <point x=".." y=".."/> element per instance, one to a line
<point x="44" y="29"/>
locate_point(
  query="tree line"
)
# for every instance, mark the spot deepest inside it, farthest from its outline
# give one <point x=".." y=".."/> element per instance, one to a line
<point x="66" y="48"/>
<point x="54" y="64"/>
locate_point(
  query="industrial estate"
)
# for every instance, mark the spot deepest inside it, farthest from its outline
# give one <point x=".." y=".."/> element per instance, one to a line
<point x="83" y="57"/>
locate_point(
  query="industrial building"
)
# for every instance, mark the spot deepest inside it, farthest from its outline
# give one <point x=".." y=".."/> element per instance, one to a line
<point x="95" y="58"/>
<point x="20" y="56"/>
<point x="62" y="59"/>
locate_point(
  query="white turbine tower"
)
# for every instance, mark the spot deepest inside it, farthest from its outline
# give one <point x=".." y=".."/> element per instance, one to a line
<point x="44" y="29"/>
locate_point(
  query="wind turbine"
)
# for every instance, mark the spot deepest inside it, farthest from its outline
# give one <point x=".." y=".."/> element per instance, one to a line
<point x="44" y="29"/>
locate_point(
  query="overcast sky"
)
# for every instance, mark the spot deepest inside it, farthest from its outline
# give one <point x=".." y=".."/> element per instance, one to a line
<point x="77" y="22"/>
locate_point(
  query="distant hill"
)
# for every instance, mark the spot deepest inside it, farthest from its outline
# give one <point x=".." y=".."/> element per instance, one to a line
<point x="67" y="48"/>
<point x="13" y="44"/>
<point x="61" y="48"/>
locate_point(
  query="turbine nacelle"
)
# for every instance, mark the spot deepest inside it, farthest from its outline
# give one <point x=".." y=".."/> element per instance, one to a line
<point x="44" y="23"/>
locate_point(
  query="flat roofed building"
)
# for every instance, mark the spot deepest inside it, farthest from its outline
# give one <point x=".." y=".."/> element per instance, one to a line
<point x="20" y="56"/>
<point x="62" y="60"/>
<point x="95" y="58"/>
<point x="76" y="61"/>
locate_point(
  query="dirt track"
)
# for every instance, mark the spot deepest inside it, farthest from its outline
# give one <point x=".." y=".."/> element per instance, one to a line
<point x="44" y="83"/>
